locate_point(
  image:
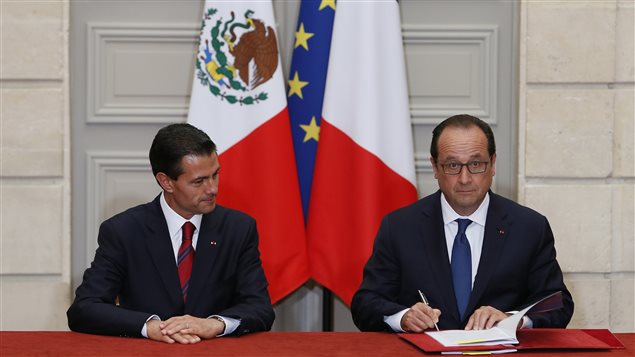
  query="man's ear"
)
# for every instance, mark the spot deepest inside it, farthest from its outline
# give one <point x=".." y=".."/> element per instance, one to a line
<point x="165" y="181"/>
<point x="434" y="167"/>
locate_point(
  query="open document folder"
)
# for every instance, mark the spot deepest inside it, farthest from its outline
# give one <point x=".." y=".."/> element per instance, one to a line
<point x="530" y="339"/>
<point x="504" y="338"/>
<point x="504" y="333"/>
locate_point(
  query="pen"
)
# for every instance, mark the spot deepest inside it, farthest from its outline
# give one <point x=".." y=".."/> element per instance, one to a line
<point x="425" y="301"/>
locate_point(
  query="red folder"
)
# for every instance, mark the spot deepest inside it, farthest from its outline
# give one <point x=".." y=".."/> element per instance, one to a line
<point x="540" y="338"/>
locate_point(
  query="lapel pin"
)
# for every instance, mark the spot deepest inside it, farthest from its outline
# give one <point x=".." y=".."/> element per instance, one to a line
<point x="501" y="232"/>
<point x="213" y="242"/>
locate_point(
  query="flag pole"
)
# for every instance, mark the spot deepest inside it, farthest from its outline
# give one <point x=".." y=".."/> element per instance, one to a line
<point x="327" y="310"/>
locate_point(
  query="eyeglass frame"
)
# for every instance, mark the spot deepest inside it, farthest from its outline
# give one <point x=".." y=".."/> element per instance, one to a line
<point x="467" y="164"/>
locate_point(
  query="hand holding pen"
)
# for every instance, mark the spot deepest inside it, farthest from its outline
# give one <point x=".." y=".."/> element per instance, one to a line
<point x="425" y="301"/>
<point x="420" y="316"/>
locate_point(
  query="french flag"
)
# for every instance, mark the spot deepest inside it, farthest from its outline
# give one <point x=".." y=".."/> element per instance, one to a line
<point x="364" y="166"/>
<point x="239" y="100"/>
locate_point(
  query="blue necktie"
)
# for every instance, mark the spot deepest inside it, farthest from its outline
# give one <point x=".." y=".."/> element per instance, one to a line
<point x="462" y="267"/>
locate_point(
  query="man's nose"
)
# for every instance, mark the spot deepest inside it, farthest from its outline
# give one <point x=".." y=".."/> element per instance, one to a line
<point x="464" y="175"/>
<point x="211" y="186"/>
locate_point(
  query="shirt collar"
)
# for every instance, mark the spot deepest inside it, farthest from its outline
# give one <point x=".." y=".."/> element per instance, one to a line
<point x="479" y="216"/>
<point x="174" y="220"/>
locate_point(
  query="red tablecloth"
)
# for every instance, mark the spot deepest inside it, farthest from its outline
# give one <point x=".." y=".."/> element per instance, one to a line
<point x="301" y="344"/>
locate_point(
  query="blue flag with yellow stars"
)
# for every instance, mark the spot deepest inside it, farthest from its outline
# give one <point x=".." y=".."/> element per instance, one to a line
<point x="307" y="78"/>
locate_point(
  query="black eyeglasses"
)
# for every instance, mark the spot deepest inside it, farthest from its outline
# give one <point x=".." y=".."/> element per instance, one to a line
<point x="474" y="167"/>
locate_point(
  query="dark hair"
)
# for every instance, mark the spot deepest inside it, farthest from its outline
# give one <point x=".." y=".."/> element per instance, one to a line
<point x="174" y="142"/>
<point x="463" y="121"/>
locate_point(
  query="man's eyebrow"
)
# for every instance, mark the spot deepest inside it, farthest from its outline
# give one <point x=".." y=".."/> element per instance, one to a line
<point x="472" y="157"/>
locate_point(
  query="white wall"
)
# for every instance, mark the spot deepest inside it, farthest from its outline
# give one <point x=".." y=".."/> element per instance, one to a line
<point x="34" y="169"/>
<point x="576" y="147"/>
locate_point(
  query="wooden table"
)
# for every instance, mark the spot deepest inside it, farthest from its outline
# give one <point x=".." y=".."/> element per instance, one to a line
<point x="301" y="344"/>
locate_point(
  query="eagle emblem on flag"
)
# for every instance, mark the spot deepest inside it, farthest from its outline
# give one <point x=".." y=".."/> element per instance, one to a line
<point x="236" y="56"/>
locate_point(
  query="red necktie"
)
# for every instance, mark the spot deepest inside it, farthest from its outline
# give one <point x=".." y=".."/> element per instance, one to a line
<point x="186" y="257"/>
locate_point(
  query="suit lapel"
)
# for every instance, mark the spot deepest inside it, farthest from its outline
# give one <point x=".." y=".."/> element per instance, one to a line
<point x="437" y="255"/>
<point x="157" y="238"/>
<point x="496" y="229"/>
<point x="207" y="247"/>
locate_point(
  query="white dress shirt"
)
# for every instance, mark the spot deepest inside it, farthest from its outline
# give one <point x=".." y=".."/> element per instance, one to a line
<point x="474" y="232"/>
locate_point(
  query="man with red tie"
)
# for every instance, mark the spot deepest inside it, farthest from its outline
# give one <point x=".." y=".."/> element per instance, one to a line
<point x="182" y="268"/>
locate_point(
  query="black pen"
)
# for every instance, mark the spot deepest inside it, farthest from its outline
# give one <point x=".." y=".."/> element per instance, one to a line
<point x="425" y="301"/>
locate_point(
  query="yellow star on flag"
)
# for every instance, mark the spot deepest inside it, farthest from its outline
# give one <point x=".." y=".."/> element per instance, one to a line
<point x="296" y="85"/>
<point x="302" y="37"/>
<point x="312" y="131"/>
<point x="329" y="3"/>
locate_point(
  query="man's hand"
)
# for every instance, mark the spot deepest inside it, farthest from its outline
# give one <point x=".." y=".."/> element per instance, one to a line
<point x="484" y="317"/>
<point x="420" y="317"/>
<point x="155" y="333"/>
<point x="187" y="326"/>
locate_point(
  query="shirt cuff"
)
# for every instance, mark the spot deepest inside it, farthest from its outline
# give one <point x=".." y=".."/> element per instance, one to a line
<point x="394" y="321"/>
<point x="527" y="323"/>
<point x="230" y="324"/>
<point x="144" y="329"/>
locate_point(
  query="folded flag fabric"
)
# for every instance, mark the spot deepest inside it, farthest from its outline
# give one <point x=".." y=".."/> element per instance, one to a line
<point x="307" y="79"/>
<point x="364" y="165"/>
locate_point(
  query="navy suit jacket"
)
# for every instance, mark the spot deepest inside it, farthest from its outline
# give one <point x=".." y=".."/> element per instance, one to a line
<point x="135" y="262"/>
<point x="517" y="267"/>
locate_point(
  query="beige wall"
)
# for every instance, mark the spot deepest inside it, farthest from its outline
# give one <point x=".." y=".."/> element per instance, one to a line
<point x="576" y="147"/>
<point x="576" y="161"/>
<point x="34" y="168"/>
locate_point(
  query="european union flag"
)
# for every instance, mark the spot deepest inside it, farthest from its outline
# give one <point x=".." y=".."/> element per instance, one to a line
<point x="306" y="86"/>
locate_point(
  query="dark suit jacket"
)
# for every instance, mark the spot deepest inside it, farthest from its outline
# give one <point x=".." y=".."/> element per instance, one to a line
<point x="517" y="267"/>
<point x="135" y="261"/>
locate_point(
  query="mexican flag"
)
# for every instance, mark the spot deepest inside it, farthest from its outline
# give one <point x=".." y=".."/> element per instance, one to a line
<point x="239" y="100"/>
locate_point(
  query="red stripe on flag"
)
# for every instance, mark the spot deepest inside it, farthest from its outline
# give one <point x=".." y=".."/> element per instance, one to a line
<point x="258" y="177"/>
<point x="352" y="191"/>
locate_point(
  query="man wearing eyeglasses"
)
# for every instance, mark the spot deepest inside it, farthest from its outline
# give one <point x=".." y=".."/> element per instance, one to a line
<point x="475" y="255"/>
